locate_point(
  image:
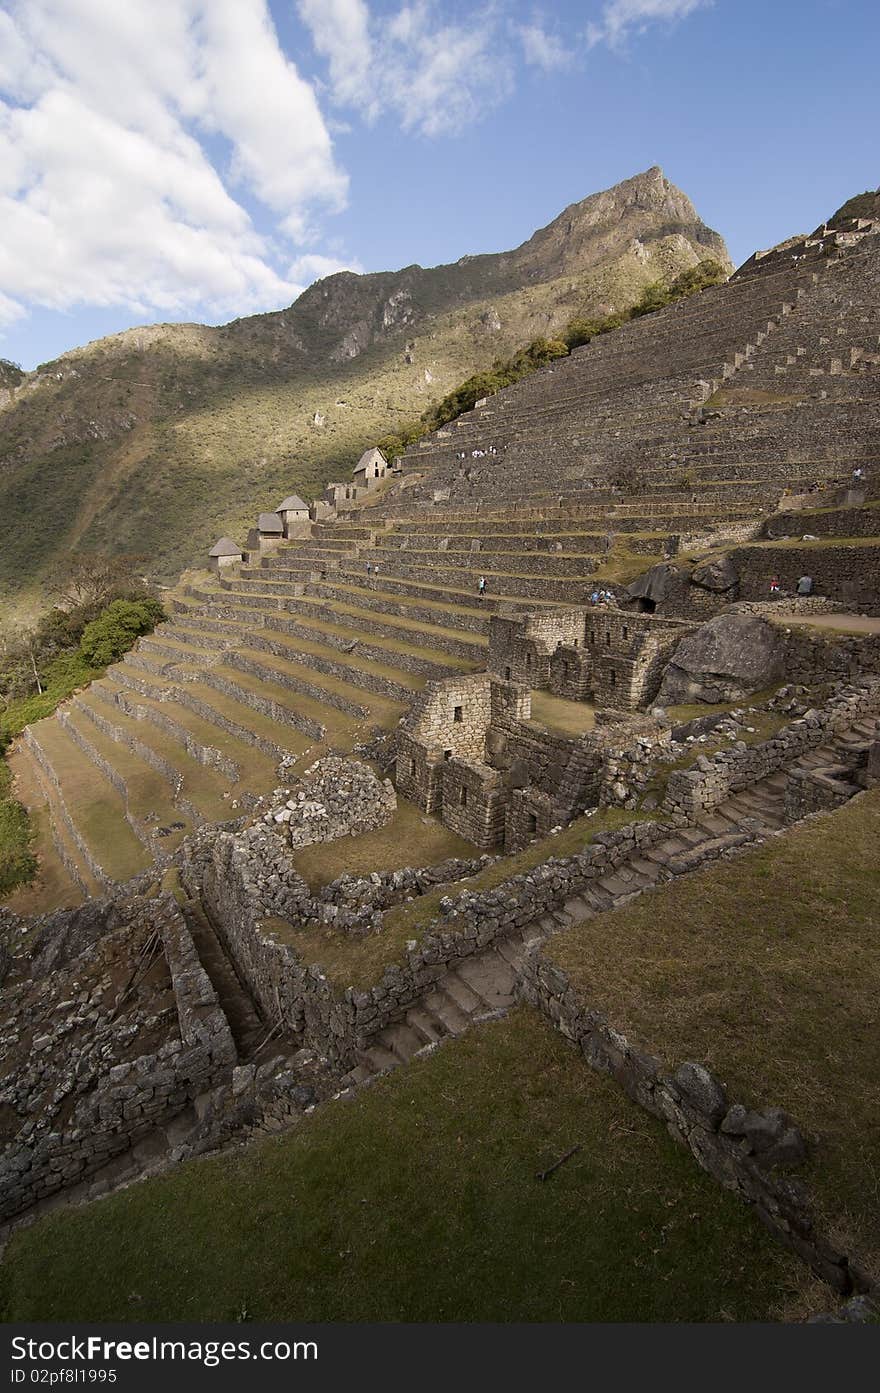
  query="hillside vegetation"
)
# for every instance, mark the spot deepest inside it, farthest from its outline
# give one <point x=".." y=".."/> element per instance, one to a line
<point x="158" y="440"/>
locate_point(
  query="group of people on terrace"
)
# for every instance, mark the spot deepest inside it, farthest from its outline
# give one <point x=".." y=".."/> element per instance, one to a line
<point x="804" y="586"/>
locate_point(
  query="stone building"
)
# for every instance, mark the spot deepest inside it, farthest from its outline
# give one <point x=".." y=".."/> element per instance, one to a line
<point x="605" y="656"/>
<point x="225" y="553"/>
<point x="370" y="469"/>
<point x="270" y="532"/>
<point x="293" y="513"/>
<point x="470" y="753"/>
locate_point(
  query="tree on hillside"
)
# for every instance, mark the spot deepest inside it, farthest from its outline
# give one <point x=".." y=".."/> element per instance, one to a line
<point x="20" y="662"/>
<point x="90" y="579"/>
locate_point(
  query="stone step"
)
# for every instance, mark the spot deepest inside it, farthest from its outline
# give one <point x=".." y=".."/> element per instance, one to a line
<point x="491" y="978"/>
<point x="426" y="1027"/>
<point x="376" y="1059"/>
<point x="461" y="994"/>
<point x="441" y="1004"/>
<point x="401" y="1040"/>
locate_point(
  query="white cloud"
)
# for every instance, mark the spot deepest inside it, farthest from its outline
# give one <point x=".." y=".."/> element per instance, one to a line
<point x="620" y="18"/>
<point x="129" y="134"/>
<point x="435" y="74"/>
<point x="542" y="49"/>
<point x="313" y="267"/>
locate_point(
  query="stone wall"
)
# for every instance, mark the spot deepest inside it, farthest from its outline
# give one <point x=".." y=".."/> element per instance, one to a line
<point x="849" y="575"/>
<point x="448" y="720"/>
<point x="472" y="802"/>
<point x="115" y="1108"/>
<point x="692" y="792"/>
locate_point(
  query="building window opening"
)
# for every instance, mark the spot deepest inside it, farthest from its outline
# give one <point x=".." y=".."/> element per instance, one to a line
<point x="625" y="632"/>
<point x="507" y="674"/>
<point x="532" y="822"/>
<point x="608" y="639"/>
<point x="447" y="754"/>
<point x="412" y="767"/>
<point x="462" y="796"/>
<point x="458" y="714"/>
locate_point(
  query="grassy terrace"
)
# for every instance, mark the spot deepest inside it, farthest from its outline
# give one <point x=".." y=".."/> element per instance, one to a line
<point x="417" y="1201"/>
<point x="767" y="969"/>
<point x="411" y="838"/>
<point x="359" y="962"/>
<point x="565" y="717"/>
<point x="93" y="803"/>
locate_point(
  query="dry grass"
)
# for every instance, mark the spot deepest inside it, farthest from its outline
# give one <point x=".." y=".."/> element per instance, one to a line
<point x="411" y="838"/>
<point x="766" y="968"/>
<point x="562" y="716"/>
<point x="417" y="1201"/>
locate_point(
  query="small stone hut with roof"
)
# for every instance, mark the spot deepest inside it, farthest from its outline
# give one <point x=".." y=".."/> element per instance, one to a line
<point x="270" y="532"/>
<point x="370" y="469"/>
<point x="225" y="553"/>
<point x="293" y="512"/>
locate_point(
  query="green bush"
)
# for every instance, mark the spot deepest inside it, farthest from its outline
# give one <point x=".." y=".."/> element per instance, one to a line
<point x="110" y="635"/>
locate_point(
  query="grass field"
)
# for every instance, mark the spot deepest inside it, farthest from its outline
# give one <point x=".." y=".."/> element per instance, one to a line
<point x="418" y="1201"/>
<point x="766" y="968"/>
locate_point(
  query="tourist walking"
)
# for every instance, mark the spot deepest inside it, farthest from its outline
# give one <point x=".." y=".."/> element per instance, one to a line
<point x="774" y="585"/>
<point x="805" y="585"/>
<point x="482" y="586"/>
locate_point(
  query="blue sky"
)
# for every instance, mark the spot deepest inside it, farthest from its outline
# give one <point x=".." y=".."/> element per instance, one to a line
<point x="203" y="159"/>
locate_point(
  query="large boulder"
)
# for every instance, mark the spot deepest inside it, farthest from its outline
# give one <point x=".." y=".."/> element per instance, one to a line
<point x="726" y="659"/>
<point x="652" y="585"/>
<point x="717" y="574"/>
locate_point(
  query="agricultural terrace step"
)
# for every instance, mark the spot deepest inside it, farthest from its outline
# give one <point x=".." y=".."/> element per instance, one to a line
<point x="222" y="713"/>
<point x="90" y="807"/>
<point x="373" y="677"/>
<point x="203" y="741"/>
<point x="269" y="699"/>
<point x="298" y="679"/>
<point x="449" y="616"/>
<point x="166" y="645"/>
<point x="150" y="809"/>
<point x="393" y="656"/>
<point x="430" y="638"/>
<point x="528" y="589"/>
<point x="538" y="560"/>
<point x="63" y="872"/>
<point x="429" y="545"/>
<point x="201" y="791"/>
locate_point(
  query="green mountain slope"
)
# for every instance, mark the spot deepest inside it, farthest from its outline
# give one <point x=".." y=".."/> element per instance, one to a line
<point x="158" y="440"/>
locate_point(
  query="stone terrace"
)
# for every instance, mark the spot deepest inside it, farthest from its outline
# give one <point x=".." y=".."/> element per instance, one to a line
<point x="691" y="427"/>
